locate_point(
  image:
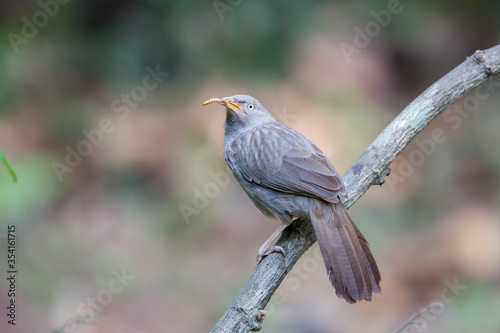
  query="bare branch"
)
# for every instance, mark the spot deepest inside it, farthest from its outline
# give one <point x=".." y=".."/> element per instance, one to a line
<point x="245" y="314"/>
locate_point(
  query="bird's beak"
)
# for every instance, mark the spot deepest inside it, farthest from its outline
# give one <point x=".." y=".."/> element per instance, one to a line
<point x="227" y="102"/>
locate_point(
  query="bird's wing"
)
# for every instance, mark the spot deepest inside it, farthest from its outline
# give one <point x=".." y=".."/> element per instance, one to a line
<point x="282" y="159"/>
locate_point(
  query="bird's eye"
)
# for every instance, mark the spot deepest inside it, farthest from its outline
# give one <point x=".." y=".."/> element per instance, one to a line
<point x="250" y="106"/>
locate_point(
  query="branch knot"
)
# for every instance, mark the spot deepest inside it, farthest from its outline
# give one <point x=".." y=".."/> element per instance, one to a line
<point x="482" y="58"/>
<point x="379" y="177"/>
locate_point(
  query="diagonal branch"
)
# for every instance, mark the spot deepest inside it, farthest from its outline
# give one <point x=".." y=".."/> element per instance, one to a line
<point x="371" y="168"/>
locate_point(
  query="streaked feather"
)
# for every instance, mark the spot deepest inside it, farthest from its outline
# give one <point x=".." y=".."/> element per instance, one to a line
<point x="282" y="159"/>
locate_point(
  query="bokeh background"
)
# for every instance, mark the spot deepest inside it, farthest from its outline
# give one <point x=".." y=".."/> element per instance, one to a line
<point x="120" y="208"/>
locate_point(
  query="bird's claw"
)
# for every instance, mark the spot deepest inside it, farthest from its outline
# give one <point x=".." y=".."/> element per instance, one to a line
<point x="272" y="249"/>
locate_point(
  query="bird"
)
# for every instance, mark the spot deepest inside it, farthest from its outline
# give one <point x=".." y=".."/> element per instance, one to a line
<point x="288" y="177"/>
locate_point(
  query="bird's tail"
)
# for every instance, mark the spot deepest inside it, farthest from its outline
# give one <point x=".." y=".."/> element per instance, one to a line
<point x="351" y="268"/>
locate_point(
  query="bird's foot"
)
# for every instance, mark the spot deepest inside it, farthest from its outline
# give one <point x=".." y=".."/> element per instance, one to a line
<point x="262" y="254"/>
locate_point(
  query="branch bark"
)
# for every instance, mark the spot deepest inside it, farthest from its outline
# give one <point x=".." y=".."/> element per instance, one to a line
<point x="245" y="313"/>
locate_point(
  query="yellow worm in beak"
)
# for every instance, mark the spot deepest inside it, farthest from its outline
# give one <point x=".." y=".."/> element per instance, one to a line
<point x="211" y="100"/>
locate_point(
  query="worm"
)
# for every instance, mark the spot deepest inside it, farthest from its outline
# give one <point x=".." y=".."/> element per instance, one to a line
<point x="211" y="100"/>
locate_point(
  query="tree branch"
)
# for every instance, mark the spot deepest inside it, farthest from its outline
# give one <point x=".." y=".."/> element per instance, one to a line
<point x="371" y="168"/>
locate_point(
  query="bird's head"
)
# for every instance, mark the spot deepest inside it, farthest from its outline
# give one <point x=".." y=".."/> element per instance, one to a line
<point x="242" y="110"/>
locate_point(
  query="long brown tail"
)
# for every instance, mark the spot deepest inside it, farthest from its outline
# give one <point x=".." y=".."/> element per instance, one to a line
<point x="351" y="268"/>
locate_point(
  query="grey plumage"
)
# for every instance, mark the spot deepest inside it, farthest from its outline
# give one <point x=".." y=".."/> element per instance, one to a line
<point x="288" y="177"/>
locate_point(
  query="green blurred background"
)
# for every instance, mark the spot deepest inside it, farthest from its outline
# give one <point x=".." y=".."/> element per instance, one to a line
<point x="121" y="206"/>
